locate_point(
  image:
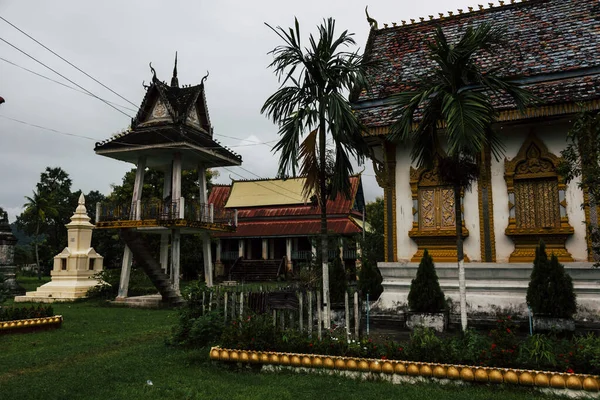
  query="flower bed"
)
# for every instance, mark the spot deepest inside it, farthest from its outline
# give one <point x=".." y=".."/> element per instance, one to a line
<point x="32" y="324"/>
<point x="383" y="368"/>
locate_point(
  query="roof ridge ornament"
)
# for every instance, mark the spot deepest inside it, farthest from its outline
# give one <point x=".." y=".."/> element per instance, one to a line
<point x="371" y="21"/>
<point x="154" y="79"/>
<point x="174" y="80"/>
<point x="205" y="77"/>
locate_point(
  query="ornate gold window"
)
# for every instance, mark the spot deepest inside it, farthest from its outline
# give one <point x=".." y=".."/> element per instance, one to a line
<point x="536" y="202"/>
<point x="434" y="225"/>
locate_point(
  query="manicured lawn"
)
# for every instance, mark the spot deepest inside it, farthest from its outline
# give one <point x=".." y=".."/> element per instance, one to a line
<point x="30" y="283"/>
<point x="111" y="352"/>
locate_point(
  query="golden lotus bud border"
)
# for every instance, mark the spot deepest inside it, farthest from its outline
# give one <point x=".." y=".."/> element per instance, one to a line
<point x="469" y="373"/>
<point x="31" y="324"/>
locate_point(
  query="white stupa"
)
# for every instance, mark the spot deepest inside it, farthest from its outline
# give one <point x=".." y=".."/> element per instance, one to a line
<point x="74" y="266"/>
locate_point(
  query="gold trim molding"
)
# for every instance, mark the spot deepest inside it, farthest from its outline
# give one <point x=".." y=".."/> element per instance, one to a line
<point x="534" y="161"/>
<point x="465" y="373"/>
<point x="385" y="173"/>
<point x="485" y="182"/>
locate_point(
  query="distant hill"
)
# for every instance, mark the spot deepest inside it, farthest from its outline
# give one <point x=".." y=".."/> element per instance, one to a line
<point x="22" y="237"/>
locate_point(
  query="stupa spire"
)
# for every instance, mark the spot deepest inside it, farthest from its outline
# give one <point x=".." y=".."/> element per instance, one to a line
<point x="174" y="80"/>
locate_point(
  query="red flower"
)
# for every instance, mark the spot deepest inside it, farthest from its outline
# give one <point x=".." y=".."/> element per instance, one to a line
<point x="400" y="349"/>
<point x="310" y="345"/>
<point x="509" y="317"/>
<point x="508" y="330"/>
<point x="493" y="346"/>
<point x="383" y="357"/>
<point x="570" y="371"/>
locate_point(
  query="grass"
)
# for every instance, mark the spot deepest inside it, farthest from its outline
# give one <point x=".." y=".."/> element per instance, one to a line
<point x="31" y="283"/>
<point x="106" y="352"/>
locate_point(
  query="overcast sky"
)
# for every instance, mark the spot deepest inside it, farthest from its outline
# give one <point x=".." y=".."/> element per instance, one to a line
<point x="114" y="40"/>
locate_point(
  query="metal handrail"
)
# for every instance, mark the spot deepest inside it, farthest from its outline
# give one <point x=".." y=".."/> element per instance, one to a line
<point x="189" y="210"/>
<point x="280" y="265"/>
<point x="233" y="266"/>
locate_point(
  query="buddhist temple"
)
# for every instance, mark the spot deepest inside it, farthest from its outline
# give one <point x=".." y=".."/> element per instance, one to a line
<point x="553" y="50"/>
<point x="171" y="132"/>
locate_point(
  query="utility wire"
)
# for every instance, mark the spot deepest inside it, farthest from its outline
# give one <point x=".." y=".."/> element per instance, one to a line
<point x="60" y="83"/>
<point x="96" y="140"/>
<point x="64" y="77"/>
<point x="67" y="61"/>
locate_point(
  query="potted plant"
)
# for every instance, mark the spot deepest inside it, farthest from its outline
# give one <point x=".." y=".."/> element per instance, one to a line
<point x="426" y="299"/>
<point x="550" y="294"/>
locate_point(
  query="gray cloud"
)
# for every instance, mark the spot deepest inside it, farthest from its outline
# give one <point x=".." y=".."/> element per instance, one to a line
<point x="115" y="40"/>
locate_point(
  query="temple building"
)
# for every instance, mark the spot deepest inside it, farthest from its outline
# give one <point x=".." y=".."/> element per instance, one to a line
<point x="554" y="52"/>
<point x="277" y="226"/>
<point x="171" y="133"/>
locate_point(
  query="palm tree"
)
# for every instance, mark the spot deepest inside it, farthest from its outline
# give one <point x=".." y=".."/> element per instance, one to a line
<point x="311" y="100"/>
<point x="455" y="94"/>
<point x="40" y="209"/>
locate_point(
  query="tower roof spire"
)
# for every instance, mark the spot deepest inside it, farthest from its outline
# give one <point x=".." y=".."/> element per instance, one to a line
<point x="174" y="80"/>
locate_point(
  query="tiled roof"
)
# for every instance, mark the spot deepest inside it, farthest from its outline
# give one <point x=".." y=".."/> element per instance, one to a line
<point x="341" y="205"/>
<point x="553" y="46"/>
<point x="165" y="134"/>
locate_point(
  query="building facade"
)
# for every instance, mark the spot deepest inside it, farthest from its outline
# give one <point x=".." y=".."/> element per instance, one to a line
<point x="519" y="199"/>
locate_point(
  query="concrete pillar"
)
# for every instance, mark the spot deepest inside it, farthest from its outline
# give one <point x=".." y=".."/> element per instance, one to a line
<point x="127" y="255"/>
<point x="288" y="253"/>
<point x="202" y="197"/>
<point x="176" y="177"/>
<point x="313" y="247"/>
<point x="208" y="267"/>
<point x="249" y="249"/>
<point x="175" y="257"/>
<point x="219" y="267"/>
<point x="342" y="249"/>
<point x="241" y="248"/>
<point x="164" y="251"/>
<point x="271" y="249"/>
<point x="265" y="248"/>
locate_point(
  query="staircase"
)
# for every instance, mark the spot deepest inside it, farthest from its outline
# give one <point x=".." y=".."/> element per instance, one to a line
<point x="255" y="270"/>
<point x="151" y="267"/>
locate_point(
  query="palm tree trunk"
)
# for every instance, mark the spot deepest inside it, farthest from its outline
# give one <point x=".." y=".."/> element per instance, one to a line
<point x="462" y="288"/>
<point x="323" y="204"/>
<point x="37" y="254"/>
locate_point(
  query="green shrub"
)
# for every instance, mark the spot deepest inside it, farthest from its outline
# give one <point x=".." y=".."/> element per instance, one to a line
<point x="253" y="332"/>
<point x="425" y="294"/>
<point x="538" y="350"/>
<point x="369" y="280"/>
<point x="204" y="330"/>
<point x="108" y="288"/>
<point x="425" y="345"/>
<point x="550" y="292"/>
<point x="38" y="311"/>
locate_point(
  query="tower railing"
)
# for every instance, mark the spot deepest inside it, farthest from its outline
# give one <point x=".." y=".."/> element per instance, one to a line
<point x="165" y="213"/>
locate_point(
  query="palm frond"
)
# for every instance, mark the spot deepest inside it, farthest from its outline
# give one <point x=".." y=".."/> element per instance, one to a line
<point x="309" y="159"/>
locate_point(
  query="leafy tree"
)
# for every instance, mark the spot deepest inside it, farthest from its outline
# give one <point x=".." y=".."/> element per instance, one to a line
<point x="550" y="291"/>
<point x="372" y="251"/>
<point x="582" y="160"/>
<point x="311" y="102"/>
<point x="426" y="295"/>
<point x="38" y="210"/>
<point x="456" y="93"/>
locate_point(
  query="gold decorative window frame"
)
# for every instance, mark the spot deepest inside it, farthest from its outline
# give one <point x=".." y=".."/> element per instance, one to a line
<point x="534" y="161"/>
<point x="440" y="242"/>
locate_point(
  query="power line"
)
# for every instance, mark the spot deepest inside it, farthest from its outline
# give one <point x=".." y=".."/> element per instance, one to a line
<point x="64" y="77"/>
<point x="96" y="140"/>
<point x="68" y="62"/>
<point x="60" y="83"/>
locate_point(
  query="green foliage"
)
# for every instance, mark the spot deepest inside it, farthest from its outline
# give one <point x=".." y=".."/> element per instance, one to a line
<point x="503" y="350"/>
<point x="200" y="331"/>
<point x="337" y="279"/>
<point x="425" y="295"/>
<point x="549" y="280"/>
<point x="36" y="311"/>
<point x="369" y="280"/>
<point x="425" y="345"/>
<point x="538" y="349"/>
<point x="252" y="332"/>
<point x="108" y="288"/>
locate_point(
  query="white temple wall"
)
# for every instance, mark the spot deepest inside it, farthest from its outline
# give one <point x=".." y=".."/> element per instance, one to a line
<point x="404" y="205"/>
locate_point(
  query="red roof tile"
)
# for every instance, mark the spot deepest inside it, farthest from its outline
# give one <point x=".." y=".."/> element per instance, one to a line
<point x="305" y="227"/>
